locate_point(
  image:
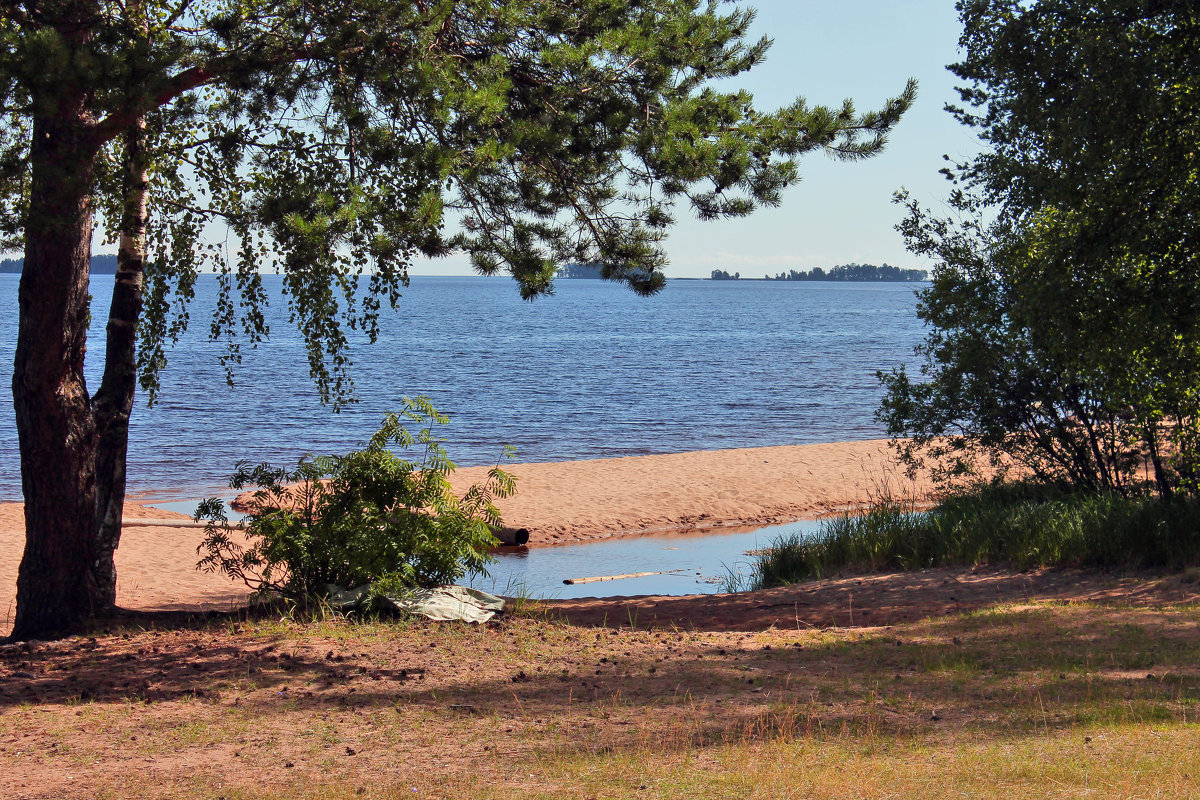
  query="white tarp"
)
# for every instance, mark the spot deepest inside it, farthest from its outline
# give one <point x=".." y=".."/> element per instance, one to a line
<point x="442" y="603"/>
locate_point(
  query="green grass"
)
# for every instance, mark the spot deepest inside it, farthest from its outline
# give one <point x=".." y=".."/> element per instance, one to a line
<point x="1019" y="525"/>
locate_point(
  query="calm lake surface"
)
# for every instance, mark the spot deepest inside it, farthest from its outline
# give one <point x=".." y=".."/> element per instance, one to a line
<point x="591" y="372"/>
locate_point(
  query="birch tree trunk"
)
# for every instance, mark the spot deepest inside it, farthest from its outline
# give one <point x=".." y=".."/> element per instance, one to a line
<point x="113" y="402"/>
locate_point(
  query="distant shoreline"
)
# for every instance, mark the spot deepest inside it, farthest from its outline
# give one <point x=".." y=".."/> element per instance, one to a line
<point x="101" y="265"/>
<point x="107" y="265"/>
<point x="843" y="273"/>
<point x="809" y="280"/>
<point x="847" y="273"/>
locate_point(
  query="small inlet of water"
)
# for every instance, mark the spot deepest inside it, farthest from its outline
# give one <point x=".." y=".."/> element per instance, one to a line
<point x="693" y="563"/>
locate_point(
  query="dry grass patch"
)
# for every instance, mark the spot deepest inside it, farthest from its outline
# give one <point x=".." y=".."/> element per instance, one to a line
<point x="1036" y="699"/>
<point x="1126" y="761"/>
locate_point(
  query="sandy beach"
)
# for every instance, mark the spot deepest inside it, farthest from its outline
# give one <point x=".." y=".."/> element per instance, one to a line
<point x="560" y="503"/>
<point x="578" y="501"/>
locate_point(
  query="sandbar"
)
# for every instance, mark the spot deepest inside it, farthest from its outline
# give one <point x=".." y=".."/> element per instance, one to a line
<point x="570" y="502"/>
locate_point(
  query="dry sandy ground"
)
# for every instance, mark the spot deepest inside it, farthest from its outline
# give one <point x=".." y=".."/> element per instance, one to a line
<point x="564" y="502"/>
<point x="877" y="600"/>
<point x="170" y="706"/>
<point x="575" y="501"/>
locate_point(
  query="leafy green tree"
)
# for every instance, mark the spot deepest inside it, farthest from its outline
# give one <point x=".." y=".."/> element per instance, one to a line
<point x="366" y="517"/>
<point x="334" y="143"/>
<point x="1065" y="333"/>
<point x="1000" y="384"/>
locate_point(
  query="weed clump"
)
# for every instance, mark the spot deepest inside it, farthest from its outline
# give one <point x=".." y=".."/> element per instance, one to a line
<point x="1022" y="525"/>
<point x="370" y="517"/>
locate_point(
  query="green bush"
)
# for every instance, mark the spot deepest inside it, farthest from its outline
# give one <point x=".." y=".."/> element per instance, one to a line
<point x="1021" y="525"/>
<point x="370" y="516"/>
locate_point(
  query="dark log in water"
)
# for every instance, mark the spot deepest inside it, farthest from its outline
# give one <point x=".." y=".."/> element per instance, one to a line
<point x="511" y="536"/>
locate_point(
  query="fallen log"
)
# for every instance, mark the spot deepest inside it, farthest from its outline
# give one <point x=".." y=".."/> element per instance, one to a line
<point x="597" y="579"/>
<point x="511" y="536"/>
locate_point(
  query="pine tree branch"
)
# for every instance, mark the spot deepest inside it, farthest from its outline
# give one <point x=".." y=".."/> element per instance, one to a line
<point x="180" y="84"/>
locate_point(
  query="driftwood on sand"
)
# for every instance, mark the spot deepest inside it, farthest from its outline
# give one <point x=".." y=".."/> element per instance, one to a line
<point x="598" y="578"/>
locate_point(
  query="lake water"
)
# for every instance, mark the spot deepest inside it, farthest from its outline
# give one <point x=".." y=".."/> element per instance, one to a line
<point x="593" y="371"/>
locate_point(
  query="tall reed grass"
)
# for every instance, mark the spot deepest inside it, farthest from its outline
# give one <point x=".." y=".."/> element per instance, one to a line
<point x="1020" y="525"/>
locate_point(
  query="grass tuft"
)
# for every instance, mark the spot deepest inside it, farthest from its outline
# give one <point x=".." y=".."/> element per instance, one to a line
<point x="1021" y="525"/>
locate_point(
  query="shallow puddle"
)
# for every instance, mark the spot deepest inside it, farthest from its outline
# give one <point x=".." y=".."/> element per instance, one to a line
<point x="697" y="563"/>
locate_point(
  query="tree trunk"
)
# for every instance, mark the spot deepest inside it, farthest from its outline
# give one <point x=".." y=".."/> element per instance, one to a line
<point x="114" y="400"/>
<point x="56" y="589"/>
<point x="1161" y="482"/>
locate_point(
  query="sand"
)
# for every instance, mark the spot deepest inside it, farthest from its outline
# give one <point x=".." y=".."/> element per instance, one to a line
<point x="579" y="501"/>
<point x="560" y="503"/>
<point x="156" y="566"/>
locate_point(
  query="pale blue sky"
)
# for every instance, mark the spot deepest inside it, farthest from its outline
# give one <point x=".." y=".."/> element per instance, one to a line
<point x="840" y="212"/>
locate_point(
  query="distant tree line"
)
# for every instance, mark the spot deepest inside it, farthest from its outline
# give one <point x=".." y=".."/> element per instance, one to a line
<point x="845" y="272"/>
<point x="101" y="265"/>
<point x="591" y="271"/>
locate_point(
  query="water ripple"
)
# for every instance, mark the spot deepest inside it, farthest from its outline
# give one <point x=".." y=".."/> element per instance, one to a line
<point x="593" y="371"/>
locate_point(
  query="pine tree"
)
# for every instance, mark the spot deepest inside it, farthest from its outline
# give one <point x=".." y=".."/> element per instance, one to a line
<point x="335" y="142"/>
